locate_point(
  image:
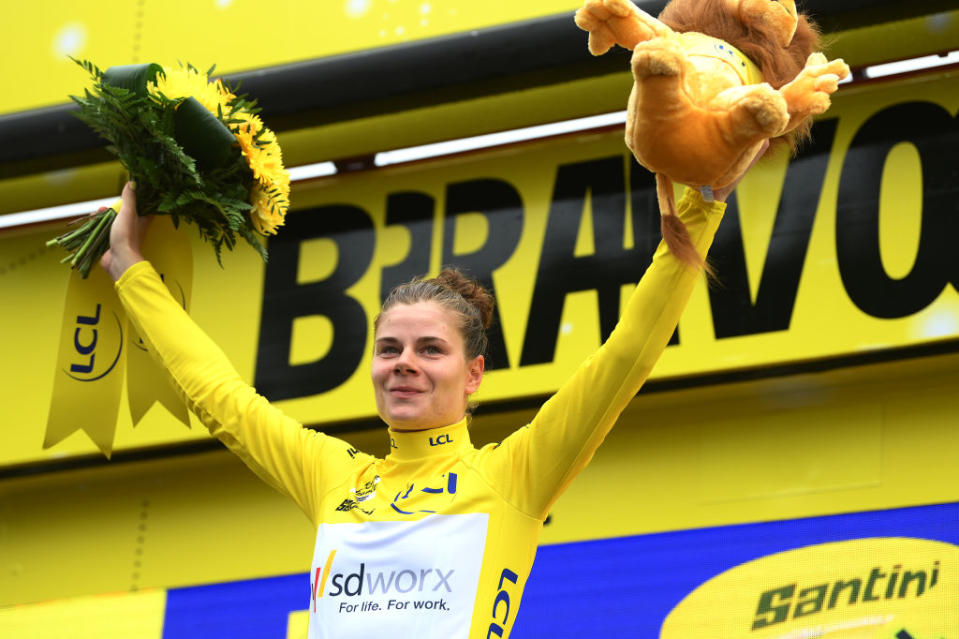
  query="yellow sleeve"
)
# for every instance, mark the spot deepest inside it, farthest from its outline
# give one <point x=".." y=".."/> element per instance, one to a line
<point x="533" y="466"/>
<point x="289" y="457"/>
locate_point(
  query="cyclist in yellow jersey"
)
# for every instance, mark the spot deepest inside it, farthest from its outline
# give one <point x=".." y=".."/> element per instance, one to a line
<point x="437" y="539"/>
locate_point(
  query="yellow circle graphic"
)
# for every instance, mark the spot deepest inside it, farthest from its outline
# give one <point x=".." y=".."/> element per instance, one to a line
<point x="877" y="588"/>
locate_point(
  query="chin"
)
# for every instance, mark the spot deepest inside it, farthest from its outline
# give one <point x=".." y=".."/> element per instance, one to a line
<point x="408" y="427"/>
<point x="405" y="420"/>
<point x="408" y="423"/>
<point x="410" y="420"/>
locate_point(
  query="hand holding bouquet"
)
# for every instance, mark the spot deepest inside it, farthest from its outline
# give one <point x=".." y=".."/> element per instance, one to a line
<point x="195" y="150"/>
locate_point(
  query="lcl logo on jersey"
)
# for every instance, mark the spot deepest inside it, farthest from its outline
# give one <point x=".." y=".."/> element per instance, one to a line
<point x="97" y="344"/>
<point x="502" y="602"/>
<point x="439" y="440"/>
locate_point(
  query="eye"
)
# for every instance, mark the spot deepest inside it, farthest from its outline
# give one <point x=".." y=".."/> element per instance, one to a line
<point x="386" y="350"/>
<point x="432" y="349"/>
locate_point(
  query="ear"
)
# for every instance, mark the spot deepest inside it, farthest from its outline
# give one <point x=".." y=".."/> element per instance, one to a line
<point x="777" y="17"/>
<point x="474" y="374"/>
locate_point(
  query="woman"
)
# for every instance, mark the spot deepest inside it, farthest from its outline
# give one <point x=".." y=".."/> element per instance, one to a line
<point x="437" y="539"/>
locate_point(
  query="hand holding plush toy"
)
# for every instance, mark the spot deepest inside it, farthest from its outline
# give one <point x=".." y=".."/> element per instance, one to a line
<point x="714" y="79"/>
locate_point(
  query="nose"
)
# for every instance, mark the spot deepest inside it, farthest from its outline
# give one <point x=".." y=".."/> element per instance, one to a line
<point x="404" y="363"/>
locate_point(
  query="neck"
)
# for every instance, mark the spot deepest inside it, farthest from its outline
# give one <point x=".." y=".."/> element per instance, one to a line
<point x="432" y="442"/>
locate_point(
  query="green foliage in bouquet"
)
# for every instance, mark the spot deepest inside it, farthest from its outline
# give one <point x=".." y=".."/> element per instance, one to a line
<point x="196" y="151"/>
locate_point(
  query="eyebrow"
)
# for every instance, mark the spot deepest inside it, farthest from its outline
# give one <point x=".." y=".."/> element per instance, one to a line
<point x="420" y="340"/>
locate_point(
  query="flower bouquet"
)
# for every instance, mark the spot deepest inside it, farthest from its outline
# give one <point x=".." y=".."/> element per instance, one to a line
<point x="197" y="152"/>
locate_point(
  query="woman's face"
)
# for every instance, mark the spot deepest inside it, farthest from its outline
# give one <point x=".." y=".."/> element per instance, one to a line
<point x="421" y="376"/>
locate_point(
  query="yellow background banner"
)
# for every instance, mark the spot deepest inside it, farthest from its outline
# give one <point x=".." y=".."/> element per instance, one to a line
<point x="850" y="440"/>
<point x="240" y="35"/>
<point x="120" y="615"/>
<point x="828" y="312"/>
<point x="847" y="440"/>
<point x="235" y="34"/>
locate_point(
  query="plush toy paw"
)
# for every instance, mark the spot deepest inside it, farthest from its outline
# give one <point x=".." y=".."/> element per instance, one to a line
<point x="762" y="113"/>
<point x="619" y="22"/>
<point x="808" y="94"/>
<point x="661" y="56"/>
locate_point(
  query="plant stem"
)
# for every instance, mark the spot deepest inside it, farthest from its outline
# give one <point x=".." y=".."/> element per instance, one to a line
<point x="68" y="238"/>
<point x="103" y="220"/>
<point x="100" y="243"/>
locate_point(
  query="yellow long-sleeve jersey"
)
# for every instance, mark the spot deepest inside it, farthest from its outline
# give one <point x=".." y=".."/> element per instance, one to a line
<point x="437" y="539"/>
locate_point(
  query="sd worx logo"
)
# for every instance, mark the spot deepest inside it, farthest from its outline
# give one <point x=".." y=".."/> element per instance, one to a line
<point x="362" y="582"/>
<point x="97" y="346"/>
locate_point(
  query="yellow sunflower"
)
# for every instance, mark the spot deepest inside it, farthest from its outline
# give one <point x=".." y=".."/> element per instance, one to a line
<point x="267" y="164"/>
<point x="184" y="82"/>
<point x="263" y="155"/>
<point x="270" y="195"/>
<point x="246" y="133"/>
<point x="269" y="212"/>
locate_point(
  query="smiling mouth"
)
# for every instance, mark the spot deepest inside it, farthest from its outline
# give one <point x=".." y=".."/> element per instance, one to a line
<point x="404" y="392"/>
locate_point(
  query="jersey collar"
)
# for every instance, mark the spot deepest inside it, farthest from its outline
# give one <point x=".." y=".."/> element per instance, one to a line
<point x="434" y="442"/>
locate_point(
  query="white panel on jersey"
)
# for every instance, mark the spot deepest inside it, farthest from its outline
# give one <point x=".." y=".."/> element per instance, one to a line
<point x="397" y="578"/>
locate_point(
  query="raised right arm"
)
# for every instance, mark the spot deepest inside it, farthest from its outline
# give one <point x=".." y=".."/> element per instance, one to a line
<point x="295" y="460"/>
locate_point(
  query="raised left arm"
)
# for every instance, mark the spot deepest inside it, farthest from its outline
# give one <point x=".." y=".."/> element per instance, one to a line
<point x="534" y="465"/>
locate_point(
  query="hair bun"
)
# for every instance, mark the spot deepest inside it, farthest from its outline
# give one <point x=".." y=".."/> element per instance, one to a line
<point x="471" y="290"/>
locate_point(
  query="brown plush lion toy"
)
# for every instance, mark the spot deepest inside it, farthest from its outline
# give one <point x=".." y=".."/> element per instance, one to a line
<point x="714" y="79"/>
